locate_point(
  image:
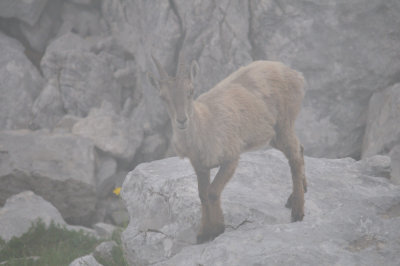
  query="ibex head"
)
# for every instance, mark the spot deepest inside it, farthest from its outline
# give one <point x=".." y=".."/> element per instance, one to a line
<point x="176" y="92"/>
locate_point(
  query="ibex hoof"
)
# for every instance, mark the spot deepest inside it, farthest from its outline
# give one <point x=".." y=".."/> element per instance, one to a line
<point x="209" y="235"/>
<point x="297" y="209"/>
<point x="297" y="217"/>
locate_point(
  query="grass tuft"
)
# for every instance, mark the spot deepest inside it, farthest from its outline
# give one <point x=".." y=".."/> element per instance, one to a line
<point x="52" y="245"/>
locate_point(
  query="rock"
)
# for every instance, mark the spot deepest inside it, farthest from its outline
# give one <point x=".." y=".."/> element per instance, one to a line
<point x="23" y="209"/>
<point x="66" y="124"/>
<point x="154" y="147"/>
<point x="117" y="213"/>
<point x="216" y="35"/>
<point x="378" y="165"/>
<point x="85" y="261"/>
<point x="383" y="124"/>
<point x="150" y="28"/>
<point x="48" y="108"/>
<point x="106" y="168"/>
<point x="342" y="71"/>
<point x="111" y="133"/>
<point x="85" y="79"/>
<point x="346" y="218"/>
<point x="104" y="230"/>
<point x="81" y="20"/>
<point x="75" y="200"/>
<point x="58" y="156"/>
<point x="58" y="167"/>
<point x="395" y="164"/>
<point x="28" y="11"/>
<point x="85" y="82"/>
<point x="39" y="34"/>
<point x="56" y="51"/>
<point x="104" y="251"/>
<point x="20" y="84"/>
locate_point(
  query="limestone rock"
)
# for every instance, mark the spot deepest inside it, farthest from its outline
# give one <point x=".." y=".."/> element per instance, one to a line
<point x="85" y="261"/>
<point x="28" y="11"/>
<point x="81" y="20"/>
<point x="85" y="79"/>
<point x="23" y="209"/>
<point x="395" y="164"/>
<point x="39" y="34"/>
<point x="104" y="251"/>
<point x="383" y="124"/>
<point x="346" y="215"/>
<point x="104" y="230"/>
<point x="334" y="44"/>
<point x="58" y="167"/>
<point x="110" y="132"/>
<point x="20" y="84"/>
<point x="48" y="108"/>
<point x="58" y="156"/>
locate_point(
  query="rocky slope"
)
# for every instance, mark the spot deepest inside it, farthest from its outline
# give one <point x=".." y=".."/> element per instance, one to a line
<point x="77" y="113"/>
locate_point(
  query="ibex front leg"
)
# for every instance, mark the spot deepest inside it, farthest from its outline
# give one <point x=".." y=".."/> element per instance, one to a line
<point x="212" y="215"/>
<point x="203" y="182"/>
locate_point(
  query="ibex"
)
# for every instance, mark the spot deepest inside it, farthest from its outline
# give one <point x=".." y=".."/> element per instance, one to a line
<point x="255" y="106"/>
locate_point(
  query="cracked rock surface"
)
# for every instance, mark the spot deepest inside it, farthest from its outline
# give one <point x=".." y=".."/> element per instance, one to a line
<point x="352" y="215"/>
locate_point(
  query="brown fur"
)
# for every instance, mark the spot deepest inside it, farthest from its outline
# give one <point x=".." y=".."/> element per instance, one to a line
<point x="254" y="106"/>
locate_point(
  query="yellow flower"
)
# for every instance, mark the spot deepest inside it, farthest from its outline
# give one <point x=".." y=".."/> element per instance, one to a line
<point x="117" y="191"/>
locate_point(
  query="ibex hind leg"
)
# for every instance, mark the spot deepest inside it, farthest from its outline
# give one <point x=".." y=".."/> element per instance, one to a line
<point x="287" y="142"/>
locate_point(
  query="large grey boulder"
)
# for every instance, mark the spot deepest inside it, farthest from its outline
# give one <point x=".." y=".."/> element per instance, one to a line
<point x="350" y="217"/>
<point x="383" y="123"/>
<point x="334" y="44"/>
<point x="59" y="167"/>
<point x="28" y="11"/>
<point x="23" y="209"/>
<point x="20" y="84"/>
<point x="60" y="156"/>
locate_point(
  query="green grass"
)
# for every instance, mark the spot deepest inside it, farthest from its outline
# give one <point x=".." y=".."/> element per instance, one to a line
<point x="53" y="245"/>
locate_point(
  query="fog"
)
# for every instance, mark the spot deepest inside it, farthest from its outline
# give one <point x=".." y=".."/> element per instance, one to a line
<point x="78" y="113"/>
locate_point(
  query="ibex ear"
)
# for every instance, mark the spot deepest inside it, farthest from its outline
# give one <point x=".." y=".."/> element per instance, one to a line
<point x="194" y="70"/>
<point x="153" y="80"/>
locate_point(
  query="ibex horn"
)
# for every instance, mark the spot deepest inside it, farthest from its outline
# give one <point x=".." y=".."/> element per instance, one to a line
<point x="181" y="65"/>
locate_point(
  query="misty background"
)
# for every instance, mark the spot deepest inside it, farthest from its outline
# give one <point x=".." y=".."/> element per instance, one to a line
<point x="77" y="112"/>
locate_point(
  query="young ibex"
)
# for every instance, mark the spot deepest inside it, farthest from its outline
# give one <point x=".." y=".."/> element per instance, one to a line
<point x="254" y="106"/>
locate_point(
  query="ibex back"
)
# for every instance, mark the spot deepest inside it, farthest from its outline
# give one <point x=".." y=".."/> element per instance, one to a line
<point x="255" y="106"/>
